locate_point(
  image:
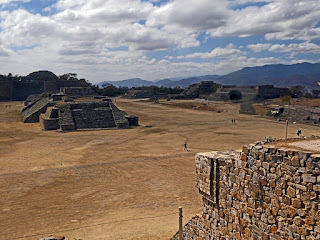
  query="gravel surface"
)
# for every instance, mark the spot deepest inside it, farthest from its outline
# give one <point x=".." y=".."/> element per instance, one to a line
<point x="313" y="145"/>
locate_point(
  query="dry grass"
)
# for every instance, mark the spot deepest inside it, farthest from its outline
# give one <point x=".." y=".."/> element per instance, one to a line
<point x="309" y="102"/>
<point x="50" y="181"/>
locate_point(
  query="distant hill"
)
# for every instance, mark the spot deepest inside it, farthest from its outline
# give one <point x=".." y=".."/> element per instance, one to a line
<point x="280" y="75"/>
<point x="306" y="74"/>
<point x="186" y="82"/>
<point x="133" y="82"/>
<point x="42" y="76"/>
<point x="163" y="82"/>
<point x="138" y="82"/>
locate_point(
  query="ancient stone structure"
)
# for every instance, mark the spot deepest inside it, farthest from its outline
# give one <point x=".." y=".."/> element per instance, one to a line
<point x="19" y="88"/>
<point x="222" y="93"/>
<point x="264" y="192"/>
<point x="200" y="90"/>
<point x="250" y="92"/>
<point x="31" y="113"/>
<point x="300" y="114"/>
<point x="85" y="115"/>
<point x="136" y="94"/>
<point x="77" y="91"/>
<point x="269" y="91"/>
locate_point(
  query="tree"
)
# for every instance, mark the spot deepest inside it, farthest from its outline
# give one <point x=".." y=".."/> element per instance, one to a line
<point x="285" y="99"/>
<point x="235" y="95"/>
<point x="69" y="76"/>
<point x="247" y="108"/>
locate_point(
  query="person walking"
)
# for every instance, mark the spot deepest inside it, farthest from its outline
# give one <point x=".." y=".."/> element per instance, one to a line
<point x="299" y="132"/>
<point x="186" y="146"/>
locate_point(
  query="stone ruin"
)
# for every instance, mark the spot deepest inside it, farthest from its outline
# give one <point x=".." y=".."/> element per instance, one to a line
<point x="250" y="93"/>
<point x="32" y="111"/>
<point x="264" y="192"/>
<point x="70" y="115"/>
<point x="300" y="114"/>
<point x="85" y="115"/>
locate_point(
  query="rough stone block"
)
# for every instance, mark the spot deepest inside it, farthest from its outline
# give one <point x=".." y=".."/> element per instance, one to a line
<point x="316" y="188"/>
<point x="308" y="178"/>
<point x="296" y="202"/>
<point x="291" y="192"/>
<point x="295" y="161"/>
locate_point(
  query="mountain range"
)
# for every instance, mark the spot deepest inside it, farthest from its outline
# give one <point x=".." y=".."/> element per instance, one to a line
<point x="279" y="75"/>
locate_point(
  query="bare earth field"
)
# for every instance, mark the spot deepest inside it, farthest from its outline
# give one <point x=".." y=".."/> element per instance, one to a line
<point x="97" y="182"/>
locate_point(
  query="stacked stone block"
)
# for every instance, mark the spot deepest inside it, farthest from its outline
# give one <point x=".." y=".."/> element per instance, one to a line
<point x="50" y="119"/>
<point x="264" y="192"/>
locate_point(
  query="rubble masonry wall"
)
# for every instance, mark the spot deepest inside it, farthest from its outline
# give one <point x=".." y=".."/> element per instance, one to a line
<point x="264" y="192"/>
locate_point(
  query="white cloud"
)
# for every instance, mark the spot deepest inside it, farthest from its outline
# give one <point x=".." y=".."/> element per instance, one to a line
<point x="259" y="47"/>
<point x="281" y="19"/>
<point x="294" y="48"/>
<point x="191" y="15"/>
<point x="80" y="35"/>
<point x="218" y="52"/>
<point x="10" y="1"/>
<point x="241" y="2"/>
<point x="4" y="52"/>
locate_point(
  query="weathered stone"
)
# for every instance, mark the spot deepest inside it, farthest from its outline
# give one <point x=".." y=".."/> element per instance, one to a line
<point x="302" y="212"/>
<point x="272" y="183"/>
<point x="278" y="191"/>
<point x="316" y="188"/>
<point x="309" y="220"/>
<point x="296" y="202"/>
<point x="291" y="192"/>
<point x="301" y="187"/>
<point x="274" y="229"/>
<point x="298" y="221"/>
<point x="295" y="161"/>
<point x="308" y="178"/>
<point x="286" y="200"/>
<point x="302" y="231"/>
<point x="264" y="182"/>
<point x="292" y="211"/>
<point x="243" y="157"/>
<point x="296" y="178"/>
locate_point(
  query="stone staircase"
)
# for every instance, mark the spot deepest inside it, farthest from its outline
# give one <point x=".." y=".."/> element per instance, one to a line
<point x="31" y="113"/>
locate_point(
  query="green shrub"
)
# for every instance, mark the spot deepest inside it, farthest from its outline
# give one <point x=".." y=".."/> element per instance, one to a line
<point x="247" y="108"/>
<point x="268" y="113"/>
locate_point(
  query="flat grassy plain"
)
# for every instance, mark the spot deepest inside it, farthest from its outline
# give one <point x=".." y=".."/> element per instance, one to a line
<point x="97" y="182"/>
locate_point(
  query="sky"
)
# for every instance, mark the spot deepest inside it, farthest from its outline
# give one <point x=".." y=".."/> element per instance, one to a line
<point x="106" y="40"/>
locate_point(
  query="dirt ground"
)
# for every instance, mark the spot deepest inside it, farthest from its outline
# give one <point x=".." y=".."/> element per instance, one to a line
<point x="110" y="184"/>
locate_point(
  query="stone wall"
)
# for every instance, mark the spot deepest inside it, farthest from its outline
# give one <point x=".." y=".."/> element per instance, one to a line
<point x="50" y="119"/>
<point x="92" y="115"/>
<point x="77" y="91"/>
<point x="264" y="192"/>
<point x="269" y="91"/>
<point x="300" y="114"/>
<point x="248" y="93"/>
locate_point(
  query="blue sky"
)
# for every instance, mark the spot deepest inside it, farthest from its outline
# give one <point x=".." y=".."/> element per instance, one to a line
<point x="105" y="40"/>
